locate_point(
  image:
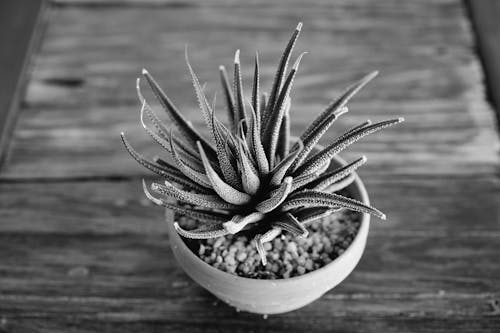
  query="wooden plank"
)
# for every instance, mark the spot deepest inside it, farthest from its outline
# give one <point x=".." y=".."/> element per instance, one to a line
<point x="464" y="314"/>
<point x="140" y="266"/>
<point x="484" y="15"/>
<point x="82" y="92"/>
<point x="127" y="280"/>
<point x="245" y="323"/>
<point x="97" y="239"/>
<point x="424" y="206"/>
<point x="19" y="21"/>
<point x="102" y="262"/>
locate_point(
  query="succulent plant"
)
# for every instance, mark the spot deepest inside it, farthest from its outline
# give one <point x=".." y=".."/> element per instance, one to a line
<point x="250" y="177"/>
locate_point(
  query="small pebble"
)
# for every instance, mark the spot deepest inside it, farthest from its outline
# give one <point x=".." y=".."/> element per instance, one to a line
<point x="230" y="260"/>
<point x="291" y="247"/>
<point x="301" y="261"/>
<point x="241" y="256"/>
<point x="309" y="264"/>
<point x="218" y="242"/>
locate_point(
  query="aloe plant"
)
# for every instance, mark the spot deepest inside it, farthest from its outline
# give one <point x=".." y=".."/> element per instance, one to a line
<point x="248" y="177"/>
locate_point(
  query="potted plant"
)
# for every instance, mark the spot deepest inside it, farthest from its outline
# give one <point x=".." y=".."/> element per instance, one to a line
<point x="266" y="223"/>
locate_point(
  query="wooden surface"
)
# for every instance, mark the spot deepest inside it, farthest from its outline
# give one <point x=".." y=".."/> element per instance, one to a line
<point x="82" y="250"/>
<point x="82" y="91"/>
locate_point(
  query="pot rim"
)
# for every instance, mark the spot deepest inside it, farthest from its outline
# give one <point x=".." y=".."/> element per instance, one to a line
<point x="365" y="220"/>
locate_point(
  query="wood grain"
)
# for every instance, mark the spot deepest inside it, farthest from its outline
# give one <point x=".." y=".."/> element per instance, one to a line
<point x="102" y="259"/>
<point x="420" y="207"/>
<point x="135" y="266"/>
<point x="248" y="323"/>
<point x="82" y="92"/>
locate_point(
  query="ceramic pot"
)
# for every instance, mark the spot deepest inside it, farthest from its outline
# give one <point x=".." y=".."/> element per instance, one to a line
<point x="274" y="296"/>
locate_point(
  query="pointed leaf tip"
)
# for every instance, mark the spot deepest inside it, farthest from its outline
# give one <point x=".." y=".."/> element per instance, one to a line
<point x="237" y="57"/>
<point x="145" y="71"/>
<point x="297" y="62"/>
<point x="186" y="56"/>
<point x="299" y="26"/>
<point x="370" y="76"/>
<point x="148" y="194"/>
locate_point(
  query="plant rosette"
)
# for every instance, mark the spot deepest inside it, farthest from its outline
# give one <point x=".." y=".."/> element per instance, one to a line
<point x="250" y="179"/>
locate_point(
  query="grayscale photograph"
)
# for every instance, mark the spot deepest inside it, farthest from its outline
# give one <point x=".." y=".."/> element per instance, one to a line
<point x="249" y="166"/>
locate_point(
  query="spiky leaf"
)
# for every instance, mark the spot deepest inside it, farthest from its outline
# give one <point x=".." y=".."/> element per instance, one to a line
<point x="280" y="73"/>
<point x="202" y="200"/>
<point x="211" y="231"/>
<point x="312" y="198"/>
<point x="317" y="161"/>
<point x="178" y="120"/>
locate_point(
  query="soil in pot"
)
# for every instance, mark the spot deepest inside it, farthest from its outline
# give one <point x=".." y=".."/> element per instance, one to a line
<point x="287" y="256"/>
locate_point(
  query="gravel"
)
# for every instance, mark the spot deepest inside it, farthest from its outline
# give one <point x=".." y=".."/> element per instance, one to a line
<point x="287" y="256"/>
